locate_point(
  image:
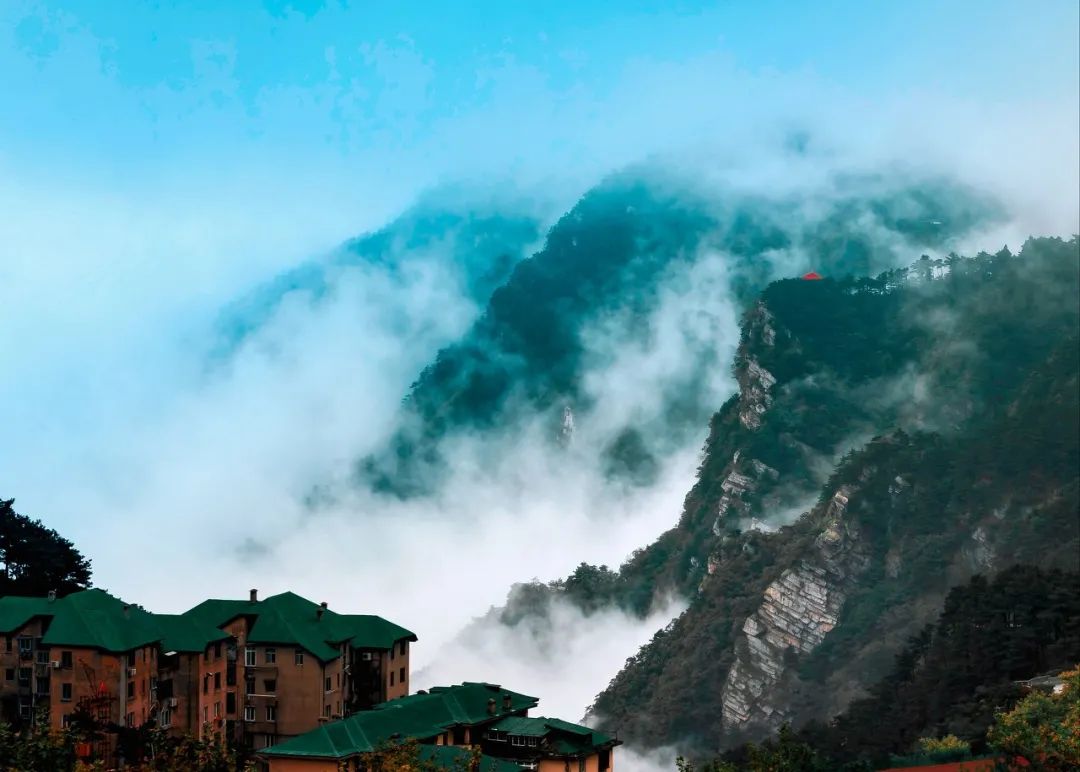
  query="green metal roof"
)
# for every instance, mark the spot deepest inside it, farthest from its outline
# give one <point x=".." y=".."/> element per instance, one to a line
<point x="521" y="725"/>
<point x="418" y="716"/>
<point x="179" y="633"/>
<point x="560" y="737"/>
<point x="452" y="756"/>
<point x="95" y="619"/>
<point x="291" y="620"/>
<point x="16" y="611"/>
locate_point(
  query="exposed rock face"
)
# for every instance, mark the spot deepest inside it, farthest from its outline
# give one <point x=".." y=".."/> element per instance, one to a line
<point x="797" y="611"/>
<point x="980" y="553"/>
<point x="566" y="430"/>
<point x="737" y="485"/>
<point x="754" y="380"/>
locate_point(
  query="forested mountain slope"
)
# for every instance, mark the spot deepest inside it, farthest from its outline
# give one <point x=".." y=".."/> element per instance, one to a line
<point x="926" y="420"/>
<point x="473" y="244"/>
<point x="600" y="275"/>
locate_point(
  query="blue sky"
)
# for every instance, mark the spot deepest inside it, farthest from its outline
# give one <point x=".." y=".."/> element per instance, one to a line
<point x="130" y="94"/>
<point x="158" y="159"/>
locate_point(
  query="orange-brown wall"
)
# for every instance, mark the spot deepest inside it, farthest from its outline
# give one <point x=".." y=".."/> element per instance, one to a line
<point x="9" y="660"/>
<point x="184" y="674"/>
<point x="393" y="663"/>
<point x="592" y="764"/>
<point x="93" y="672"/>
<point x="303" y="765"/>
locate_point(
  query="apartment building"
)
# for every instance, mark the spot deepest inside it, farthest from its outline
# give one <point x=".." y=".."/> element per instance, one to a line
<point x="468" y="715"/>
<point x="94" y="653"/>
<point x="254" y="671"/>
<point x="289" y="664"/>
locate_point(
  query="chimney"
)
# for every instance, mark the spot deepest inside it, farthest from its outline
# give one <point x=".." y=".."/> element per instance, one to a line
<point x="52" y="595"/>
<point x="254" y="596"/>
<point x="321" y="609"/>
<point x="491" y="706"/>
<point x="507" y="702"/>
<point x="127" y="611"/>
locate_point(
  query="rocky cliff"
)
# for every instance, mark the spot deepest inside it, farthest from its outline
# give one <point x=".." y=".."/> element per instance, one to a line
<point x="792" y="613"/>
<point x="797" y="611"/>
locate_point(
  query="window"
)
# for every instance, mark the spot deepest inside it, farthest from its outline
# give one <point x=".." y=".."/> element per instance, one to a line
<point x="271" y="713"/>
<point x="26" y="645"/>
<point x="249" y="657"/>
<point x="217" y="680"/>
<point x="205" y="714"/>
<point x="532" y="742"/>
<point x="401" y="675"/>
<point x="329" y="685"/>
<point x="24" y="676"/>
<point x="326" y="711"/>
<point x="217" y="710"/>
<point x="7" y="643"/>
<point x="401" y="647"/>
<point x="391" y="653"/>
<point x="65" y="720"/>
<point x="130" y="719"/>
<point x="142" y="687"/>
<point x="517" y="740"/>
<point x="42" y="685"/>
<point x="391" y="677"/>
<point x="131" y="690"/>
<point x="230" y="702"/>
<point x="65" y="692"/>
<point x="9" y="674"/>
<point x="339" y="680"/>
<point x="217" y="650"/>
<point x="65" y="660"/>
<point x="206" y="684"/>
<point x="271" y="685"/>
<point x="298" y="657"/>
<point x="42" y="657"/>
<point x="165" y="718"/>
<point x="271" y="656"/>
<point x="338" y="707"/>
<point x="249" y="713"/>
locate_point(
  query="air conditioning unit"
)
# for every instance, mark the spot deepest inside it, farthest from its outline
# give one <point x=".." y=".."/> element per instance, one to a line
<point x="172" y="702"/>
<point x="56" y="664"/>
<point x="131" y="672"/>
<point x="366" y="656"/>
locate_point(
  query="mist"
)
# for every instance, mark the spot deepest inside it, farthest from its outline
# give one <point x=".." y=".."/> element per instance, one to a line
<point x="185" y="476"/>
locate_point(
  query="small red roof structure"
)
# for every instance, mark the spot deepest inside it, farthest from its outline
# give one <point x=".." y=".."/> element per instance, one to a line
<point x="812" y="276"/>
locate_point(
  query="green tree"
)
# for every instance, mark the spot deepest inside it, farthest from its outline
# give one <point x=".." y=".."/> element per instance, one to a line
<point x="1043" y="728"/>
<point x="35" y="559"/>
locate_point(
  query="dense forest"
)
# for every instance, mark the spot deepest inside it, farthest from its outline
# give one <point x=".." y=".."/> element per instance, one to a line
<point x="608" y="258"/>
<point x="938" y="401"/>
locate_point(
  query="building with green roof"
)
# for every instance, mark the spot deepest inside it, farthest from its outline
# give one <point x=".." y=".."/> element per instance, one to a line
<point x="291" y="663"/>
<point x="94" y="651"/>
<point x="258" y="671"/>
<point x="471" y="714"/>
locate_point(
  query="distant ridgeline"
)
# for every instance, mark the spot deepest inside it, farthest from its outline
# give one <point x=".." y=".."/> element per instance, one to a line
<point x="608" y="259"/>
<point x="925" y="421"/>
<point x="476" y="245"/>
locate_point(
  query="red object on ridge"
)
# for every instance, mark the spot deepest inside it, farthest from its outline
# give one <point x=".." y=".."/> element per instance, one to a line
<point x="812" y="276"/>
